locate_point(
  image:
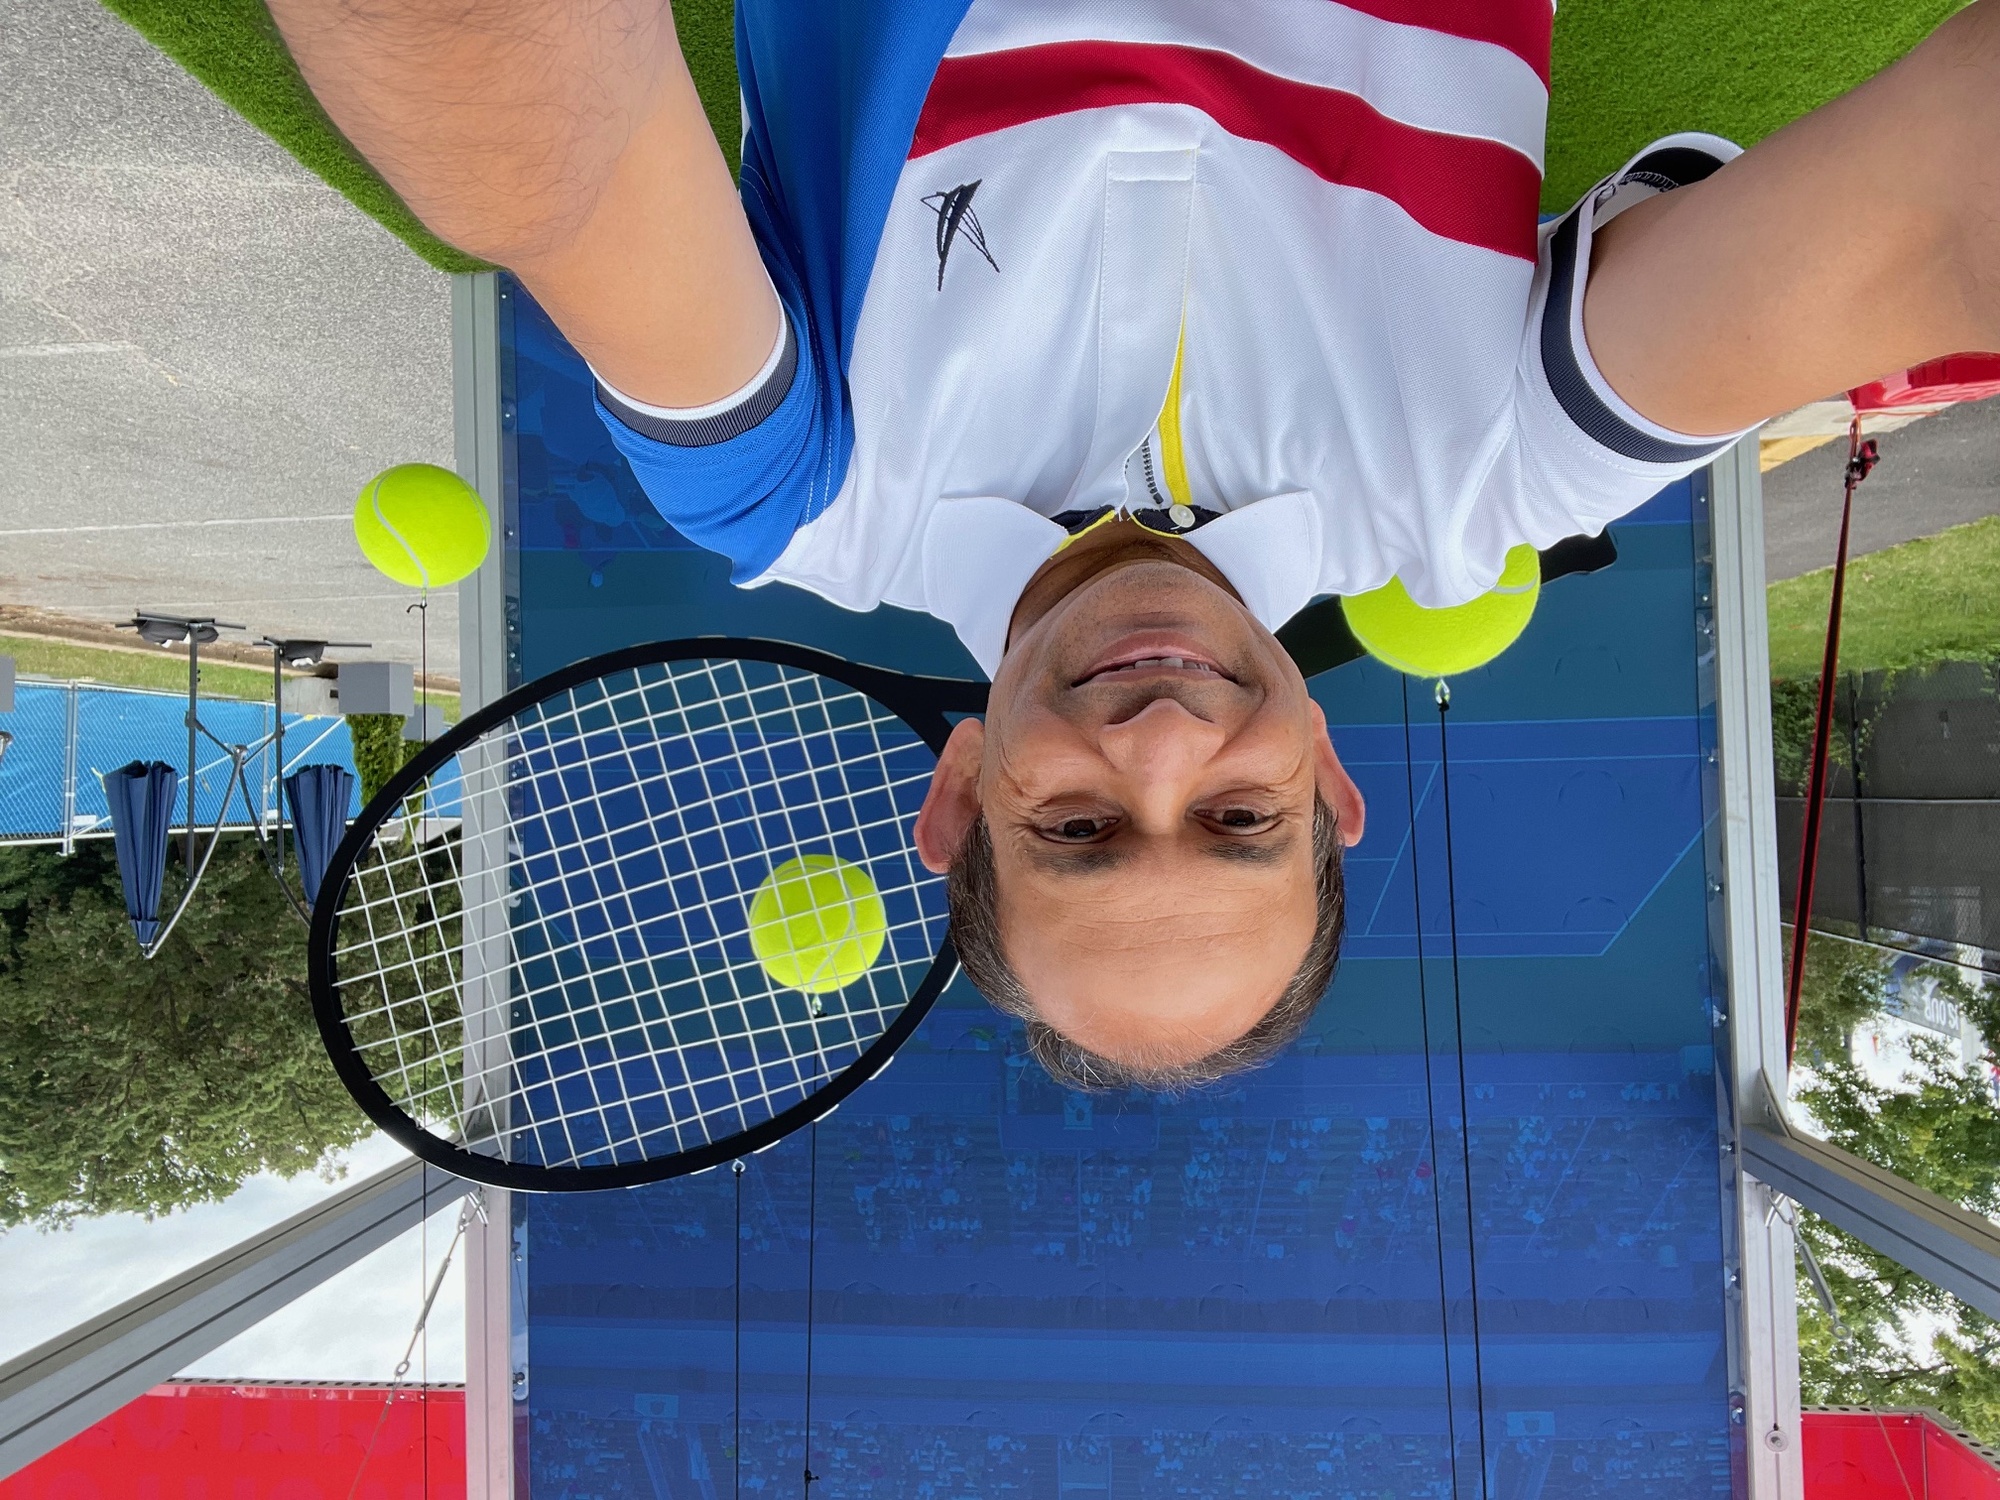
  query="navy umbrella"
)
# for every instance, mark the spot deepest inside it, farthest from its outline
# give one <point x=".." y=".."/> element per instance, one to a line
<point x="141" y="797"/>
<point x="318" y="797"/>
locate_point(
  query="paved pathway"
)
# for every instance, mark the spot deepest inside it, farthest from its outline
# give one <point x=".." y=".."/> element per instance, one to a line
<point x="1940" y="472"/>
<point x="204" y="352"/>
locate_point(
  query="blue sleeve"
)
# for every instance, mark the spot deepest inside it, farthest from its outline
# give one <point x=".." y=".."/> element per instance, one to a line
<point x="832" y="90"/>
<point x="744" y="497"/>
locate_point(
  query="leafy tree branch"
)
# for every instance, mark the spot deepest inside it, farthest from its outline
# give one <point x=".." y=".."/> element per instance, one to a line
<point x="142" y="1087"/>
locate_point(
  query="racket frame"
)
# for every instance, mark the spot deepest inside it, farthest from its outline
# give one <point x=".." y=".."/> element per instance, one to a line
<point x="923" y="703"/>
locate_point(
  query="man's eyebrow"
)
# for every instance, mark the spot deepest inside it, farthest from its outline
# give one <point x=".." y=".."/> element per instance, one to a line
<point x="1092" y="859"/>
<point x="1250" y="851"/>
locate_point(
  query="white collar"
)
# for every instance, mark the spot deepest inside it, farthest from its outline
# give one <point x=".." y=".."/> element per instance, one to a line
<point x="979" y="553"/>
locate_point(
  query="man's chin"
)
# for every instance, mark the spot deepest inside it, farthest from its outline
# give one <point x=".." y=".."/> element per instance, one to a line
<point x="1158" y="577"/>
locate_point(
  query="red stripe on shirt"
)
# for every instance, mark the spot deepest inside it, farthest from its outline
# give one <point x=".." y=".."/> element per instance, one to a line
<point x="1522" y="27"/>
<point x="1463" y="188"/>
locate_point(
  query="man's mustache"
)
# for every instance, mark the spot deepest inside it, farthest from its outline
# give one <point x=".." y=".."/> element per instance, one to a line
<point x="1122" y="702"/>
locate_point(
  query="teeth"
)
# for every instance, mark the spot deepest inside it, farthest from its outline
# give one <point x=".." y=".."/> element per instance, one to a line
<point x="1172" y="663"/>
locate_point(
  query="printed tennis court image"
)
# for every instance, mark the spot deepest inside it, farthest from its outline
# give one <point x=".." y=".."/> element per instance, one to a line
<point x="999" y="750"/>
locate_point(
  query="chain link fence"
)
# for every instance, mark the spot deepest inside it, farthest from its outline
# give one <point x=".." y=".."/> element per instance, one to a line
<point x="67" y="734"/>
<point x="1910" y="838"/>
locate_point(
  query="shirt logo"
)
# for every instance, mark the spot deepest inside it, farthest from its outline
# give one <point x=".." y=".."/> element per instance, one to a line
<point x="955" y="219"/>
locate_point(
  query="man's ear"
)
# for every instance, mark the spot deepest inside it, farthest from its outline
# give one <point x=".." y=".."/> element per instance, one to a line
<point x="1335" y="786"/>
<point x="951" y="806"/>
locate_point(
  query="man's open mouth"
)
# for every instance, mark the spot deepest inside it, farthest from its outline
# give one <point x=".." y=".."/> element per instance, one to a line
<point x="1136" y="660"/>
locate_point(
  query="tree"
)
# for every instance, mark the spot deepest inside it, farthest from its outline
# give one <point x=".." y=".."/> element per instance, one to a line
<point x="1845" y="984"/>
<point x="380" y="750"/>
<point x="144" y="1086"/>
<point x="1941" y="1131"/>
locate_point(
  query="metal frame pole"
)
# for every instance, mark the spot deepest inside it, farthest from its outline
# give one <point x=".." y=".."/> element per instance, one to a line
<point x="278" y="747"/>
<point x="69" y="769"/>
<point x="491" y="1387"/>
<point x="193" y="723"/>
<point x="482" y="602"/>
<point x="1766" y="1289"/>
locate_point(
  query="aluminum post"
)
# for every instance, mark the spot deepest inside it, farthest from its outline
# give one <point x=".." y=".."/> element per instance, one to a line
<point x="482" y="615"/>
<point x="69" y="769"/>
<point x="1766" y="1287"/>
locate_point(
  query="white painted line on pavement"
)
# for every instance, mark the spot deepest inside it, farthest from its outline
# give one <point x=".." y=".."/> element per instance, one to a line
<point x="174" y="525"/>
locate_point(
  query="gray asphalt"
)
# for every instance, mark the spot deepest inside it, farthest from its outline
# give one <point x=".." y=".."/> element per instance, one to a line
<point x="204" y="352"/>
<point x="1940" y="472"/>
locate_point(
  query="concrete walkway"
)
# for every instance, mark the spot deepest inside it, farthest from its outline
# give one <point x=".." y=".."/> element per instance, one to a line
<point x="1940" y="472"/>
<point x="204" y="352"/>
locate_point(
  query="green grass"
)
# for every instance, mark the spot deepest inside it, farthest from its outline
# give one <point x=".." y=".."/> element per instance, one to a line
<point x="66" y="661"/>
<point x="1625" y="72"/>
<point x="132" y="668"/>
<point x="708" y="42"/>
<point x="1927" y="600"/>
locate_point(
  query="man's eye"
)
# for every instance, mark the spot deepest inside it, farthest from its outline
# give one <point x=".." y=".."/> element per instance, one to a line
<point x="1079" y="830"/>
<point x="1239" y="819"/>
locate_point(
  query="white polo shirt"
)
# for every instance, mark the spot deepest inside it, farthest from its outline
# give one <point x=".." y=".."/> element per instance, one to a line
<point x="1266" y="274"/>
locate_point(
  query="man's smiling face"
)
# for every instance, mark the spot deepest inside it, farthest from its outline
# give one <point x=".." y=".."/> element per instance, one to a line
<point x="1148" y="773"/>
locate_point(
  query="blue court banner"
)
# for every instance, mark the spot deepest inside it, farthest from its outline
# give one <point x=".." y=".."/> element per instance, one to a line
<point x="67" y="735"/>
<point x="1467" y="1237"/>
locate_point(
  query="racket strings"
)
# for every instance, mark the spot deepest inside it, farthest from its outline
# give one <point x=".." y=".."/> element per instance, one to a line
<point x="547" y="956"/>
<point x="391" y="897"/>
<point x="599" y="1101"/>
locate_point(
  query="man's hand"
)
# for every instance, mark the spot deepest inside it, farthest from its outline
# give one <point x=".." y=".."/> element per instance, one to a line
<point x="564" y="140"/>
<point x="1859" y="240"/>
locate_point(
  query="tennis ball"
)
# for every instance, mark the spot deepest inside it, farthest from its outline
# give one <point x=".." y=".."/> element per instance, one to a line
<point x="817" y="924"/>
<point x="1401" y="633"/>
<point x="421" y="525"/>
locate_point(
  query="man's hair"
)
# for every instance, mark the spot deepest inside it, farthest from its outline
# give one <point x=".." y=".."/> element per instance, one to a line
<point x="973" y="892"/>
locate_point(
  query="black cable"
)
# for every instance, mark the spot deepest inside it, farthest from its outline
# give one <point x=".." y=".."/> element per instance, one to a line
<point x="812" y="1249"/>
<point x="1464" y="1103"/>
<point x="424" y="666"/>
<point x="736" y="1168"/>
<point x="1430" y="1100"/>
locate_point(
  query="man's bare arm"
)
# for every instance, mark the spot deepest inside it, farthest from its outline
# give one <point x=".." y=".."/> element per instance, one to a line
<point x="564" y="140"/>
<point x="1859" y="240"/>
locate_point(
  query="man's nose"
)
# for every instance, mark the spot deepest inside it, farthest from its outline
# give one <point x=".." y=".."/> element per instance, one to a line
<point x="1162" y="745"/>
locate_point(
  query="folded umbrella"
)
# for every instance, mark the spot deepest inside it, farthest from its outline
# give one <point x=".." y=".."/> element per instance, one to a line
<point x="141" y="798"/>
<point x="318" y="796"/>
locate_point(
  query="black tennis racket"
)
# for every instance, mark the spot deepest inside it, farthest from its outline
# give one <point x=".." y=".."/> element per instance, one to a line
<point x="647" y="914"/>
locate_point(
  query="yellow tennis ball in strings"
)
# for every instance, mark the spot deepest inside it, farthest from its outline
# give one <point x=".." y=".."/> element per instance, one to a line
<point x="817" y="924"/>
<point x="1401" y="633"/>
<point x="421" y="525"/>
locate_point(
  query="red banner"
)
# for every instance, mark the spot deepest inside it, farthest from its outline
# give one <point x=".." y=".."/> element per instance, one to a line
<point x="262" y="1442"/>
<point x="252" y="1442"/>
<point x="1942" y="382"/>
<point x="1865" y="1455"/>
